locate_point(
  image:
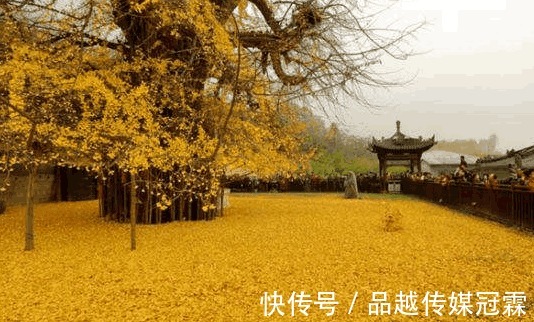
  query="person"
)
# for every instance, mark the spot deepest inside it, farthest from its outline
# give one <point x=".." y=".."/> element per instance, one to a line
<point x="530" y="182"/>
<point x="463" y="163"/>
<point x="513" y="171"/>
<point x="492" y="181"/>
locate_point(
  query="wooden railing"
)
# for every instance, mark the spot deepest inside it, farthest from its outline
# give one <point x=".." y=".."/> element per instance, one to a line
<point x="506" y="203"/>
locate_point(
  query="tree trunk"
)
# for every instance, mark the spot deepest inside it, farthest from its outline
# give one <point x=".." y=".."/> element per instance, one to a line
<point x="133" y="212"/>
<point x="158" y="215"/>
<point x="173" y="209"/>
<point x="221" y="211"/>
<point x="116" y="200"/>
<point x="190" y="208"/>
<point x="184" y="205"/>
<point x="149" y="198"/>
<point x="29" y="240"/>
<point x="101" y="200"/>
<point x="122" y="202"/>
<point x="145" y="196"/>
<point x="181" y="207"/>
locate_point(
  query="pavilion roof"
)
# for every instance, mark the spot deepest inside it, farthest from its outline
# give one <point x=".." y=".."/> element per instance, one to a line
<point x="400" y="143"/>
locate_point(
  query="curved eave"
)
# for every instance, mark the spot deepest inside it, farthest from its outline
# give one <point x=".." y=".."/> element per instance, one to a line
<point x="387" y="146"/>
<point x="387" y="150"/>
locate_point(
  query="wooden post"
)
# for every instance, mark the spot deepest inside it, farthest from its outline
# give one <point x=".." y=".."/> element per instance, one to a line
<point x="133" y="212"/>
<point x="513" y="206"/>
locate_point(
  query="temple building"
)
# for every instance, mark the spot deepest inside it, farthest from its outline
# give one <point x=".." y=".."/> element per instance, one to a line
<point x="438" y="162"/>
<point x="400" y="149"/>
<point x="520" y="159"/>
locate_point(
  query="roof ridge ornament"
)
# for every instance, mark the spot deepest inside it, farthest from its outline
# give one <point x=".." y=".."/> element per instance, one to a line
<point x="398" y="137"/>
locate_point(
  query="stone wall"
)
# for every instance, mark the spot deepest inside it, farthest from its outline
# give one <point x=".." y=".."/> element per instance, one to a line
<point x="46" y="186"/>
<point x="52" y="184"/>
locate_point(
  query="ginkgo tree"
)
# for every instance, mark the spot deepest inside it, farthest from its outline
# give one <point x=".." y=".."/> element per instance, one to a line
<point x="169" y="95"/>
<point x="34" y="105"/>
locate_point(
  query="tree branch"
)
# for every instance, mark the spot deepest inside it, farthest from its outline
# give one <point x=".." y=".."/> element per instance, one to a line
<point x="268" y="14"/>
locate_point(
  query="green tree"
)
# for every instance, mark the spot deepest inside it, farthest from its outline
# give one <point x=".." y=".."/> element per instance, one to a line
<point x="337" y="152"/>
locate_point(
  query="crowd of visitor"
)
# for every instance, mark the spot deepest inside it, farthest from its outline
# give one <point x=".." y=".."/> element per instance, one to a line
<point x="462" y="174"/>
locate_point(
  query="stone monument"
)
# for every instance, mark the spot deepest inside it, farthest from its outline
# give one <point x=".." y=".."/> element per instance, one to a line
<point x="351" y="186"/>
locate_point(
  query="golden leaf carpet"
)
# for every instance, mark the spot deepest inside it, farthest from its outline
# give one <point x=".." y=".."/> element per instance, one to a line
<point x="310" y="257"/>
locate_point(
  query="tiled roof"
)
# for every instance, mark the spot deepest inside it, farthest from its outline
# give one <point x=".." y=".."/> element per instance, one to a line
<point x="525" y="152"/>
<point x="435" y="157"/>
<point x="407" y="144"/>
<point x="399" y="142"/>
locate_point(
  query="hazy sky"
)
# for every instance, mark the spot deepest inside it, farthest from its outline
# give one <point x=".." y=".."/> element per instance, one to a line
<point x="476" y="79"/>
